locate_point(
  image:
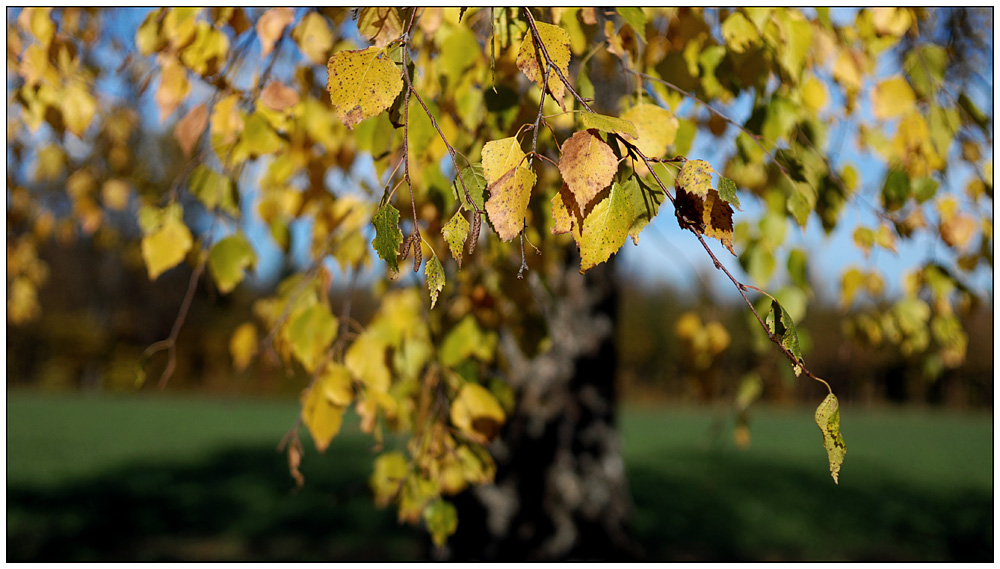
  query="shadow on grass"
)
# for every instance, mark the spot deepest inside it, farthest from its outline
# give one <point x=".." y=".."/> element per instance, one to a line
<point x="736" y="507"/>
<point x="238" y="505"/>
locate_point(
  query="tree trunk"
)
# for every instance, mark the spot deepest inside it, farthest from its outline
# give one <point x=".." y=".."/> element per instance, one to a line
<point x="560" y="490"/>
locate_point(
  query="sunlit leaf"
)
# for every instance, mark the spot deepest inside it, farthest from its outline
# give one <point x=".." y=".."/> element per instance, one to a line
<point x="465" y="340"/>
<point x="476" y="412"/>
<point x="532" y="63"/>
<point x="362" y="83"/>
<point x="454" y="233"/>
<point x="587" y="165"/>
<point x="167" y="245"/>
<point x="605" y="123"/>
<point x="509" y="185"/>
<point x="828" y="419"/>
<point x="380" y="25"/>
<point x="695" y="177"/>
<point x="314" y="38"/>
<point x="656" y="127"/>
<point x="324" y="404"/>
<point x="780" y="325"/>
<point x="434" y="273"/>
<point x="605" y="228"/>
<point x="189" y="129"/>
<point x="270" y="26"/>
<point x="387" y="478"/>
<point x="365" y="359"/>
<point x="892" y="98"/>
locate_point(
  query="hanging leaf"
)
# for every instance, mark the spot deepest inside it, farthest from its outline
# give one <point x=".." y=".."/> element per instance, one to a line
<point x="174" y="87"/>
<point x="712" y="216"/>
<point x="695" y="177"/>
<point x="388" y="237"/>
<point x="645" y="202"/>
<point x="310" y="333"/>
<point x="477" y="413"/>
<point x="324" y="404"/>
<point x="828" y="419"/>
<point x="366" y="361"/>
<point x="228" y="260"/>
<point x="509" y="185"/>
<point x="206" y="54"/>
<point x="465" y="340"/>
<point x="434" y="273"/>
<point x="566" y="213"/>
<point x="362" y="83"/>
<point x="454" y="233"/>
<point x="278" y="96"/>
<point x="78" y="108"/>
<point x="587" y="165"/>
<point x="475" y="184"/>
<point x="605" y="228"/>
<point x="213" y="189"/>
<point x="635" y="18"/>
<point x="387" y="477"/>
<point x="441" y="518"/>
<point x="739" y="33"/>
<point x="167" y="240"/>
<point x="532" y="63"/>
<point x="727" y="191"/>
<point x="780" y="324"/>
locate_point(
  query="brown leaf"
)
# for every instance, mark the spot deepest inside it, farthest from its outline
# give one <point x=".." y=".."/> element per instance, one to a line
<point x="712" y="217"/>
<point x="278" y="96"/>
<point x="270" y="26"/>
<point x="189" y="129"/>
<point x="587" y="165"/>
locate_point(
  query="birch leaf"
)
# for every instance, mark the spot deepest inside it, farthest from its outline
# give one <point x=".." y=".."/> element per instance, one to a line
<point x="362" y="83"/>
<point x="388" y="237"/>
<point x="434" y="273"/>
<point x="828" y="419"/>
<point x="605" y="228"/>
<point x="532" y="63"/>
<point x="454" y="233"/>
<point x="509" y="185"/>
<point x="655" y="126"/>
<point x="587" y="165"/>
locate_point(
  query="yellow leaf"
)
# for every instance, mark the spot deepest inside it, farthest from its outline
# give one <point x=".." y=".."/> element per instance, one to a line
<point x="324" y="404"/>
<point x="509" y="185"/>
<point x="441" y="518"/>
<point x="891" y="21"/>
<point x="38" y="23"/>
<point x="532" y="63"/>
<point x="739" y="32"/>
<point x="314" y="38"/>
<point x="362" y="83"/>
<point x="207" y="52"/>
<point x="270" y="25"/>
<point x="243" y="345"/>
<point x="695" y="177"/>
<point x="365" y="359"/>
<point x="387" y="478"/>
<point x="228" y="260"/>
<point x="434" y="273"/>
<point x="78" y="107"/>
<point x="454" y="233"/>
<point x="656" y="127"/>
<point x="467" y="339"/>
<point x="565" y="212"/>
<point x="179" y="26"/>
<point x="587" y="165"/>
<point x="892" y="98"/>
<point x="476" y="412"/>
<point x="380" y="25"/>
<point x="166" y="248"/>
<point x="828" y="419"/>
<point x="22" y="301"/>
<point x="605" y="228"/>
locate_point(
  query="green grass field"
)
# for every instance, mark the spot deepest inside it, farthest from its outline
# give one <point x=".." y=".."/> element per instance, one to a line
<point x="169" y="478"/>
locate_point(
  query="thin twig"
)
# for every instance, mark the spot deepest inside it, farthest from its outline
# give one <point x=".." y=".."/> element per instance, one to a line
<point x="170" y="344"/>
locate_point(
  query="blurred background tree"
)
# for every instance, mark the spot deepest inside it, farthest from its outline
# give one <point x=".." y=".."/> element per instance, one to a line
<point x="191" y="199"/>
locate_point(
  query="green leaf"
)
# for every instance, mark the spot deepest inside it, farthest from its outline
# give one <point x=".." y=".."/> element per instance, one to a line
<point x="467" y="339"/>
<point x="828" y="419"/>
<point x="434" y="273"/>
<point x="475" y="183"/>
<point x="605" y="123"/>
<point x="605" y="228"/>
<point x="228" y="259"/>
<point x="441" y="518"/>
<point x="780" y="324"/>
<point x="388" y="237"/>
<point x="454" y="233"/>
<point x="925" y="66"/>
<point x="635" y="18"/>
<point x="587" y="165"/>
<point x="896" y="189"/>
<point x="257" y="139"/>
<point x="727" y="191"/>
<point x="645" y="202"/>
<point x="362" y="84"/>
<point x="695" y="177"/>
<point x="213" y="189"/>
<point x="310" y="333"/>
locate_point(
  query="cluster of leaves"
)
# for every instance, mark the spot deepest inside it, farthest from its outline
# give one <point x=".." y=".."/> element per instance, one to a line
<point x="487" y="118"/>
